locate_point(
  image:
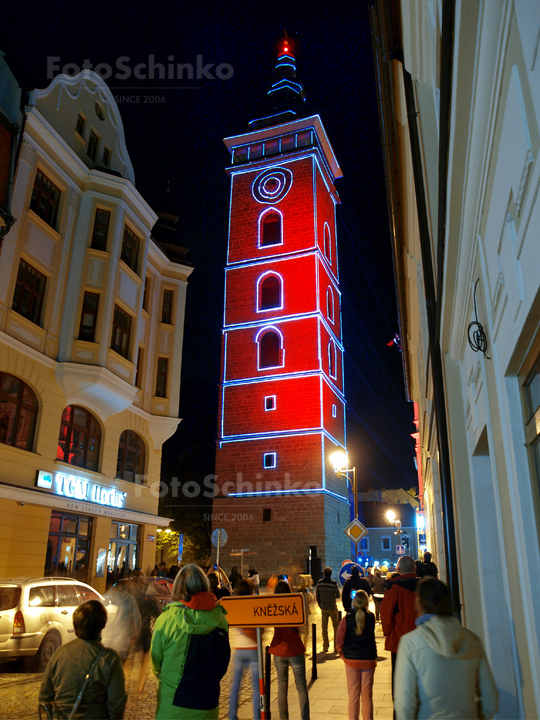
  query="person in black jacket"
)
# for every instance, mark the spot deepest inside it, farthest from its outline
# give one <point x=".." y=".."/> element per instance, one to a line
<point x="357" y="648"/>
<point x="430" y="569"/>
<point x="355" y="582"/>
<point x="327" y="592"/>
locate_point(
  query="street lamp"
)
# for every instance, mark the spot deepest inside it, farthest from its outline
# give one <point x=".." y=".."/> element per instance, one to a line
<point x="340" y="461"/>
<point x="342" y="469"/>
<point x="391" y="517"/>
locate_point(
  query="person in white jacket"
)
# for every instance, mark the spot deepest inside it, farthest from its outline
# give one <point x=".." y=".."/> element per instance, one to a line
<point x="441" y="667"/>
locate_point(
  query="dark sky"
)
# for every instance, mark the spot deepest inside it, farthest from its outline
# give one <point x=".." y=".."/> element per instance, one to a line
<point x="174" y="137"/>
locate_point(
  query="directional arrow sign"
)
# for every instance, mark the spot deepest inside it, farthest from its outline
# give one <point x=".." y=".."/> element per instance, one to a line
<point x="356" y="531"/>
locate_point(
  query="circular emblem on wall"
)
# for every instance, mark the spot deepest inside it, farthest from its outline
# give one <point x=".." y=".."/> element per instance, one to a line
<point x="272" y="185"/>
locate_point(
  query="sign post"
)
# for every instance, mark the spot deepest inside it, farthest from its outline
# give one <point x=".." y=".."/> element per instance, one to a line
<point x="355" y="531"/>
<point x="260" y="611"/>
<point x="242" y="552"/>
<point x="219" y="538"/>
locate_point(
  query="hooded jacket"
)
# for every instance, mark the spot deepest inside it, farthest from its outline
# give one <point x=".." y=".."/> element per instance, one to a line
<point x="442" y="672"/>
<point x="190" y="654"/>
<point x="398" y="610"/>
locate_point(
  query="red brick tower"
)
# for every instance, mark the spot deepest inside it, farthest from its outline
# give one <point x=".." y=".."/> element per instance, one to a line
<point x="282" y="405"/>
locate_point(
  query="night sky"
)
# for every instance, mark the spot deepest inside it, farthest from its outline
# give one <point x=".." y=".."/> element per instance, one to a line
<point x="174" y="137"/>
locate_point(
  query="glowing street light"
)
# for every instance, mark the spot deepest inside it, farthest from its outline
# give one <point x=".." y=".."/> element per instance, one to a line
<point x="340" y="462"/>
<point x="391" y="517"/>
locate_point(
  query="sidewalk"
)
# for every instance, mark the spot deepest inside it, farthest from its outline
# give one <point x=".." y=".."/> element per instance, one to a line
<point x="328" y="694"/>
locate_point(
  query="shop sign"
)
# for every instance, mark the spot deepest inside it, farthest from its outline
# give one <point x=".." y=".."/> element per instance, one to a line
<point x="80" y="488"/>
<point x="150" y="538"/>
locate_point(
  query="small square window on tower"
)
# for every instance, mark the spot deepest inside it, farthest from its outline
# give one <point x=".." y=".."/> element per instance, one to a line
<point x="334" y="410"/>
<point x="270" y="402"/>
<point x="269" y="460"/>
<point x="267" y="514"/>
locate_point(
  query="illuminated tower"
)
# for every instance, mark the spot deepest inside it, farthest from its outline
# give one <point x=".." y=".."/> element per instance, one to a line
<point x="282" y="407"/>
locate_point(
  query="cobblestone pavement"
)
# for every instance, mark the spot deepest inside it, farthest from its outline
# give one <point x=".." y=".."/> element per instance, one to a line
<point x="19" y="688"/>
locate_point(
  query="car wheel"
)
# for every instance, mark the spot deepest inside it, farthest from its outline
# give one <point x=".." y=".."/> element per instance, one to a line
<point x="51" y="642"/>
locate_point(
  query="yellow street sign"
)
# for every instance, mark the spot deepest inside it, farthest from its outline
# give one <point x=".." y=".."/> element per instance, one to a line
<point x="283" y="610"/>
<point x="356" y="531"/>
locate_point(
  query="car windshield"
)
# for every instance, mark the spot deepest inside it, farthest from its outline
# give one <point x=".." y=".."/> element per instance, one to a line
<point x="9" y="596"/>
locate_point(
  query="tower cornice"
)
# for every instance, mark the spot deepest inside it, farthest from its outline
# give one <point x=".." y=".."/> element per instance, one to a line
<point x="275" y="131"/>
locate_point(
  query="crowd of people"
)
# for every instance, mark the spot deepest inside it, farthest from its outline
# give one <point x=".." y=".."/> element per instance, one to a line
<point x="439" y="668"/>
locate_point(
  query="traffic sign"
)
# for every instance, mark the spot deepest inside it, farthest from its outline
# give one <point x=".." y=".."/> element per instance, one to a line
<point x="345" y="571"/>
<point x="216" y="537"/>
<point x="282" y="610"/>
<point x="400" y="549"/>
<point x="356" y="531"/>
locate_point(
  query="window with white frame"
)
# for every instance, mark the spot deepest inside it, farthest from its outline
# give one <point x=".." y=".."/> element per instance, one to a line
<point x="270" y="349"/>
<point x="364" y="543"/>
<point x="269" y="460"/>
<point x="270" y="292"/>
<point x="270" y="228"/>
<point x="332" y="371"/>
<point x="385" y="543"/>
<point x="270" y="402"/>
<point x="327" y="242"/>
<point x="330" y="304"/>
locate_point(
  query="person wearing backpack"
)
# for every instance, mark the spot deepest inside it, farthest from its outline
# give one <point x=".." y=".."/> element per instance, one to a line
<point x="190" y="650"/>
<point x="357" y="648"/>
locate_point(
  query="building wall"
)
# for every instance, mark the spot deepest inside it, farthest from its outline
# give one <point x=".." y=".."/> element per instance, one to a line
<point x="45" y="351"/>
<point x="308" y="421"/>
<point x="490" y="277"/>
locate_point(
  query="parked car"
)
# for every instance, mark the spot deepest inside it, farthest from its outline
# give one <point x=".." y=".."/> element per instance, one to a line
<point x="36" y="616"/>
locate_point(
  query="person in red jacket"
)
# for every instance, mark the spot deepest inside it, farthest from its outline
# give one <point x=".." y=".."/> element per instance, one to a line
<point x="398" y="607"/>
<point x="288" y="649"/>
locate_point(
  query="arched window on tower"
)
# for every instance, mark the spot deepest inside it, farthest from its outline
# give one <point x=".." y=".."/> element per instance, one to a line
<point x="330" y="304"/>
<point x="332" y="359"/>
<point x="327" y="242"/>
<point x="270" y="349"/>
<point x="270" y="229"/>
<point x="270" y="292"/>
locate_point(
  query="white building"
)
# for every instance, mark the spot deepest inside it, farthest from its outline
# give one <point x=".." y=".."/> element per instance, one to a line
<point x="459" y="93"/>
<point x="91" y="328"/>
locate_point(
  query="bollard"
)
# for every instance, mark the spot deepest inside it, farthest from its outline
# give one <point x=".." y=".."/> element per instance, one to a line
<point x="314" y="652"/>
<point x="268" y="668"/>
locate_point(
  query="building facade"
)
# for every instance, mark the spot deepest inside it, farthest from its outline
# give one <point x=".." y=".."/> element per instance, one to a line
<point x="282" y="404"/>
<point x="91" y="329"/>
<point x="459" y="98"/>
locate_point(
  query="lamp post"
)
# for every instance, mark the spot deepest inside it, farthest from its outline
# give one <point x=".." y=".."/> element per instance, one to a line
<point x="340" y="461"/>
<point x="391" y="517"/>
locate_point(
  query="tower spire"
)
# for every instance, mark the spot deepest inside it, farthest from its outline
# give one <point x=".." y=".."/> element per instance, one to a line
<point x="286" y="95"/>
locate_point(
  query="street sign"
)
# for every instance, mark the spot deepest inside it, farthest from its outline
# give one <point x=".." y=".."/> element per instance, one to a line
<point x="180" y="547"/>
<point x="345" y="571"/>
<point x="356" y="531"/>
<point x="401" y="549"/>
<point x="282" y="610"/>
<point x="216" y="535"/>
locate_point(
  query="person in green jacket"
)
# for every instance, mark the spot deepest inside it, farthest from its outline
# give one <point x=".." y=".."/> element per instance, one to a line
<point x="190" y="650"/>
